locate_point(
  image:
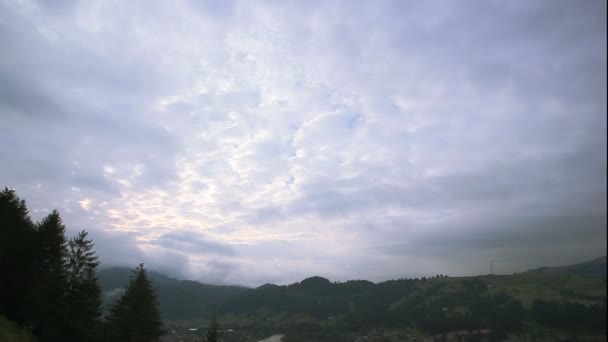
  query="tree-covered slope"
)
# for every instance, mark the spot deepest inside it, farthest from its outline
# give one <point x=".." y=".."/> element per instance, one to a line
<point x="178" y="298"/>
<point x="434" y="305"/>
<point x="595" y="268"/>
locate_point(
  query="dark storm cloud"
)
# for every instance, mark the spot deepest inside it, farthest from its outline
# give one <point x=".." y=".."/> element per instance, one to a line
<point x="513" y="231"/>
<point x="571" y="180"/>
<point x="20" y="98"/>
<point x="77" y="151"/>
<point x="516" y="242"/>
<point x="58" y="111"/>
<point x="192" y="242"/>
<point x="121" y="249"/>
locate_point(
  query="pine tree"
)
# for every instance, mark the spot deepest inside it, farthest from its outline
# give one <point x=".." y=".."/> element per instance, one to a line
<point x="135" y="317"/>
<point x="17" y="257"/>
<point x="53" y="248"/>
<point x="83" y="293"/>
<point x="37" y="288"/>
<point x="49" y="293"/>
<point x="213" y="332"/>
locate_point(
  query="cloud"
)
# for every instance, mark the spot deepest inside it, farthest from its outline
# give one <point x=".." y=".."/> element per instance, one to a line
<point x="249" y="143"/>
<point x="191" y="243"/>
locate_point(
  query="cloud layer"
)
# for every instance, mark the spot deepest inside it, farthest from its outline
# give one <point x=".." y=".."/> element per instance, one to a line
<point x="242" y="142"/>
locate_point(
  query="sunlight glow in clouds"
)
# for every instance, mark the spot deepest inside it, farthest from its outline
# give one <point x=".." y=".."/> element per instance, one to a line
<point x="252" y="142"/>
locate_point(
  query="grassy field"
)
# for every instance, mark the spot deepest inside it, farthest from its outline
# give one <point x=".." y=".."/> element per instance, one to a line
<point x="526" y="288"/>
<point x="554" y="288"/>
<point x="9" y="332"/>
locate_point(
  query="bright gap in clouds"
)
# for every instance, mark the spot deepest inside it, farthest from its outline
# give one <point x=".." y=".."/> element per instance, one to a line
<point x="254" y="142"/>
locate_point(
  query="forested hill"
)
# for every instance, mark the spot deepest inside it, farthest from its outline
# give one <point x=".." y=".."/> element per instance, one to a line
<point x="365" y="300"/>
<point x="431" y="304"/>
<point x="322" y="310"/>
<point x="595" y="268"/>
<point x="178" y="298"/>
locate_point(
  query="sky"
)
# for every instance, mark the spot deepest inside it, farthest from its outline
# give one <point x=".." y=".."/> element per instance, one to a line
<point x="252" y="142"/>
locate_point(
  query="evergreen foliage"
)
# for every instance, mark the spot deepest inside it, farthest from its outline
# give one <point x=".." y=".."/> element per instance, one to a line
<point x="573" y="316"/>
<point x="178" y="299"/>
<point x="49" y="291"/>
<point x="135" y="317"/>
<point x="17" y="257"/>
<point x="213" y="332"/>
<point x="83" y="293"/>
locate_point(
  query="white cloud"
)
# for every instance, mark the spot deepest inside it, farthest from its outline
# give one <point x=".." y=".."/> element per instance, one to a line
<point x="304" y="136"/>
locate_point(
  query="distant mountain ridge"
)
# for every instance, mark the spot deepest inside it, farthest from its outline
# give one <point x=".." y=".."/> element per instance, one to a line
<point x="430" y="304"/>
<point x="595" y="268"/>
<point x="178" y="298"/>
<point x="317" y="296"/>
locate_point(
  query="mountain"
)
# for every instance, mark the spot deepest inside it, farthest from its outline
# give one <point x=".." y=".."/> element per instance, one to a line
<point x="595" y="268"/>
<point x="179" y="299"/>
<point x="317" y="309"/>
<point x="433" y="305"/>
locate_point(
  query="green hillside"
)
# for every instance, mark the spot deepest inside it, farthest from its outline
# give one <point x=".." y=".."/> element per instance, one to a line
<point x="320" y="298"/>
<point x="595" y="268"/>
<point x="10" y="332"/>
<point x="317" y="309"/>
<point x="179" y="299"/>
<point x="528" y="287"/>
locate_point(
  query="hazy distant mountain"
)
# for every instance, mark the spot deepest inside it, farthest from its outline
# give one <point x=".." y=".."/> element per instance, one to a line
<point x="595" y="268"/>
<point x="178" y="298"/>
<point x="360" y="300"/>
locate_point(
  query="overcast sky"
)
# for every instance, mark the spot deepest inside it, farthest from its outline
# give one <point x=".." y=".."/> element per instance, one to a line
<point x="268" y="141"/>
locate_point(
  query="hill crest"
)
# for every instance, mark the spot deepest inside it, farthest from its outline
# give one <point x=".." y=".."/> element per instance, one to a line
<point x="595" y="268"/>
